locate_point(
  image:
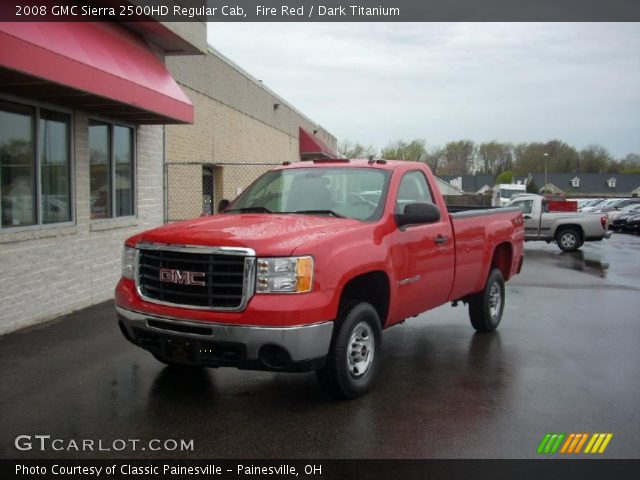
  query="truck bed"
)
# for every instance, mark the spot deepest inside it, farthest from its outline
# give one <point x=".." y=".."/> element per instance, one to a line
<point x="477" y="232"/>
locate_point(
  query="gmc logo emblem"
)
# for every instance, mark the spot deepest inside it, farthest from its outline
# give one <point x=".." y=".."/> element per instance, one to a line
<point x="168" y="275"/>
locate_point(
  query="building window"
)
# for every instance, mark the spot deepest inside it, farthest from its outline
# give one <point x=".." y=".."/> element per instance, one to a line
<point x="35" y="166"/>
<point x="111" y="168"/>
<point x="611" y="182"/>
<point x="575" y="182"/>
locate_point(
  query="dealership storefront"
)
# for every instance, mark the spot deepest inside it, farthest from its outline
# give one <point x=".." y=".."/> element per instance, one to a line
<point x="81" y="151"/>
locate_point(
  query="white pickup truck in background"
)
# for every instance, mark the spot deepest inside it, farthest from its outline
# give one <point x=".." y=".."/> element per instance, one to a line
<point x="570" y="230"/>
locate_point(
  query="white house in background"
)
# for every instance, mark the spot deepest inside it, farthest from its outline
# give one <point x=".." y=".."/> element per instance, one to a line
<point x="448" y="188"/>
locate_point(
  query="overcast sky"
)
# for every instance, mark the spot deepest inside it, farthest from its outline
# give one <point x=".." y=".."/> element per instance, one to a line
<point x="518" y="82"/>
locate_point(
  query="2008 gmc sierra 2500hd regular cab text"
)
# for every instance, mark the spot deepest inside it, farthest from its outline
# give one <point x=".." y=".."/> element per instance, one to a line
<point x="307" y="267"/>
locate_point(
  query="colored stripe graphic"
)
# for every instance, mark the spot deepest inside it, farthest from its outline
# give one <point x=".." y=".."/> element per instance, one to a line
<point x="605" y="443"/>
<point x="572" y="443"/>
<point x="581" y="443"/>
<point x="550" y="443"/>
<point x="598" y="443"/>
<point x="543" y="443"/>
<point x="568" y="442"/>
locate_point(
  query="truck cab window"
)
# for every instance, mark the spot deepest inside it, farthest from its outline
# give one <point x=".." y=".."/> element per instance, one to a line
<point x="526" y="206"/>
<point x="413" y="189"/>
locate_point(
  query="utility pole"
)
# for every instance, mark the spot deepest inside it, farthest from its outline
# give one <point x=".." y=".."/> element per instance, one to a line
<point x="545" y="155"/>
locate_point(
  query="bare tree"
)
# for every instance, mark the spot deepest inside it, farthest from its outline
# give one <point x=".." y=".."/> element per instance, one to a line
<point x="460" y="157"/>
<point x="594" y="159"/>
<point x="349" y="149"/>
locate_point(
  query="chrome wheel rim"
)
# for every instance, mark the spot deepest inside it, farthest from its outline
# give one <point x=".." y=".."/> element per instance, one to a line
<point x="568" y="240"/>
<point x="361" y="350"/>
<point x="495" y="300"/>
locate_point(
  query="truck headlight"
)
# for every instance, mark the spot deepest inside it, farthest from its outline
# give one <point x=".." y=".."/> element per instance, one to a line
<point x="128" y="262"/>
<point x="284" y="275"/>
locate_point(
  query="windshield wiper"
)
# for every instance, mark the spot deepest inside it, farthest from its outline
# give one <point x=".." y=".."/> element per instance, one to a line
<point x="321" y="212"/>
<point x="250" y="209"/>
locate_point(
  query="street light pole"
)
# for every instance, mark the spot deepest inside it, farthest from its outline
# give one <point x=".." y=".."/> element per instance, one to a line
<point x="545" y="155"/>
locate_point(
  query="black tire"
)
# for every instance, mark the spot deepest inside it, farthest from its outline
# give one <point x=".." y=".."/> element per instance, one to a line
<point x="353" y="361"/>
<point x="568" y="239"/>
<point x="486" y="307"/>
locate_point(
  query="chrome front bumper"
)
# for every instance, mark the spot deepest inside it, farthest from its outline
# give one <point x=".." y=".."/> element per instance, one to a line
<point x="302" y="344"/>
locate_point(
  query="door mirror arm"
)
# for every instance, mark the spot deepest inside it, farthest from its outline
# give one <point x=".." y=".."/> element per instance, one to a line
<point x="417" y="214"/>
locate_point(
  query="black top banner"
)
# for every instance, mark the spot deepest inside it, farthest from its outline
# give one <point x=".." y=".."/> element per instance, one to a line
<point x="321" y="10"/>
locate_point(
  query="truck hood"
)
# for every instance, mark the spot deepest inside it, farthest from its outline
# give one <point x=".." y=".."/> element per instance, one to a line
<point x="267" y="234"/>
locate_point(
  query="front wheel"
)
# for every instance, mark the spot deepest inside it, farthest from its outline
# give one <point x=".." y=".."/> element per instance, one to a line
<point x="354" y="357"/>
<point x="568" y="239"/>
<point x="486" y="307"/>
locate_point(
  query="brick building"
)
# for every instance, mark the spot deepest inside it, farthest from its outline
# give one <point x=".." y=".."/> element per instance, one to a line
<point x="84" y="149"/>
<point x="241" y="129"/>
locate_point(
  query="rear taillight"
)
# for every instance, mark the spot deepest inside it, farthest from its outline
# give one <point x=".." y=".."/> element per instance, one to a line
<point x="603" y="221"/>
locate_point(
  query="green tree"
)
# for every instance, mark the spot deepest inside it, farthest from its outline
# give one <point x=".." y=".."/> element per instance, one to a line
<point x="401" y="150"/>
<point x="505" y="177"/>
<point x="532" y="187"/>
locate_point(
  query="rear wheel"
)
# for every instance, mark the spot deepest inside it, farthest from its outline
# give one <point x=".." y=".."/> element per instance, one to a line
<point x="569" y="239"/>
<point x="354" y="357"/>
<point x="486" y="307"/>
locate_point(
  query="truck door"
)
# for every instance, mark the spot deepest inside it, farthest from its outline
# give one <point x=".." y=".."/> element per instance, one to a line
<point x="422" y="255"/>
<point x="531" y="218"/>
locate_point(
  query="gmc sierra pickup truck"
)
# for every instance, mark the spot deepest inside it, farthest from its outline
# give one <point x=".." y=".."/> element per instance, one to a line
<point x="569" y="229"/>
<point x="307" y="267"/>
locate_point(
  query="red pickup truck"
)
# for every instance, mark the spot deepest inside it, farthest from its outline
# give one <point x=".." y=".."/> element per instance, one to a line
<point x="307" y="267"/>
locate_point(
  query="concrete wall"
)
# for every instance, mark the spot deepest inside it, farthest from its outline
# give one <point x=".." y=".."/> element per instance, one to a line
<point x="236" y="129"/>
<point x="56" y="270"/>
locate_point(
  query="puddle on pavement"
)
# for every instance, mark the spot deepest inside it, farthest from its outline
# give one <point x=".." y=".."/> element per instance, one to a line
<point x="578" y="260"/>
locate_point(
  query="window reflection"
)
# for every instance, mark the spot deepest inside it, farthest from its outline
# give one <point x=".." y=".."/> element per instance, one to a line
<point x="17" y="170"/>
<point x="123" y="155"/>
<point x="111" y="170"/>
<point x="53" y="135"/>
<point x="99" y="170"/>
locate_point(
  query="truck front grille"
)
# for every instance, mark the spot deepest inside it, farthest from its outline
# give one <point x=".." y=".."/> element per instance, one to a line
<point x="194" y="278"/>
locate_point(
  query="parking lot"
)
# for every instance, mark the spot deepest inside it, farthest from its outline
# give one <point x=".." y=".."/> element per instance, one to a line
<point x="565" y="359"/>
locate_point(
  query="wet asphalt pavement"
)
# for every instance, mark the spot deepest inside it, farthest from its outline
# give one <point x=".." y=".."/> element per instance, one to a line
<point x="566" y="358"/>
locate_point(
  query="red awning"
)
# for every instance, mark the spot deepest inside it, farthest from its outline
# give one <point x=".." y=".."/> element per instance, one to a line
<point x="312" y="147"/>
<point x="98" y="67"/>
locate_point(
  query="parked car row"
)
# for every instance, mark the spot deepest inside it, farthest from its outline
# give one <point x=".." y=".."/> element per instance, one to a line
<point x="605" y="205"/>
<point x="627" y="219"/>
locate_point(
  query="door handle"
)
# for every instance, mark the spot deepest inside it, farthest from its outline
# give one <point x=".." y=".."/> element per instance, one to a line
<point x="440" y="239"/>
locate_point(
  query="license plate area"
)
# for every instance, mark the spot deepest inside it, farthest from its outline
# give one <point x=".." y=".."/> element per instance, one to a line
<point x="180" y="350"/>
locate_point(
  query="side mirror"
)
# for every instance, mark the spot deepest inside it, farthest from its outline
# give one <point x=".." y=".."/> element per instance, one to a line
<point x="418" y="213"/>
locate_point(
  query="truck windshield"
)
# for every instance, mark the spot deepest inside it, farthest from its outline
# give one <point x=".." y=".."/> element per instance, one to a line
<point x="508" y="193"/>
<point x="357" y="193"/>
